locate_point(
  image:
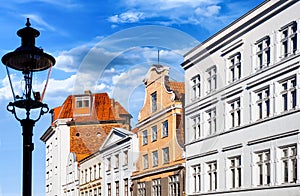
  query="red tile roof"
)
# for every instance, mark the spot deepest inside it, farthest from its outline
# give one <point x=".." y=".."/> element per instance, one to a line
<point x="178" y="88"/>
<point x="103" y="109"/>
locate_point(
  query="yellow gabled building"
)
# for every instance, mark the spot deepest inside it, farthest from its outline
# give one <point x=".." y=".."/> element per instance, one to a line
<point x="160" y="167"/>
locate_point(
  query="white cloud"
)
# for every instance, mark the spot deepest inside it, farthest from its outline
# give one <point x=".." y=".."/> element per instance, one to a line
<point x="70" y="60"/>
<point x="208" y="11"/>
<point x="127" y="17"/>
<point x="170" y="12"/>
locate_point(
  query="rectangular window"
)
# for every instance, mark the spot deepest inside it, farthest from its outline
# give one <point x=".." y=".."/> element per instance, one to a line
<point x="235" y="67"/>
<point x="165" y="155"/>
<point x="141" y="189"/>
<point x="289" y="39"/>
<point x="126" y="187"/>
<point x="289" y="95"/>
<point x="289" y="164"/>
<point x="154" y="101"/>
<point x="212" y="174"/>
<point x="82" y="102"/>
<point x="109" y="189"/>
<point x="86" y="175"/>
<point x="154" y="133"/>
<point x="99" y="170"/>
<point x="95" y="172"/>
<point x="212" y="79"/>
<point x="125" y="157"/>
<point x="263" y="166"/>
<point x="145" y="161"/>
<point x="196" y="178"/>
<point x="196" y="127"/>
<point x="117" y="161"/>
<point x="154" y="158"/>
<point x="156" y="187"/>
<point x="117" y="188"/>
<point x="235" y="172"/>
<point x="196" y="90"/>
<point x="165" y="129"/>
<point x="99" y="191"/>
<point x="263" y="52"/>
<point x="235" y="113"/>
<point x="174" y="185"/>
<point x="108" y="164"/>
<point x="145" y="137"/>
<point x="212" y="121"/>
<point x="263" y="103"/>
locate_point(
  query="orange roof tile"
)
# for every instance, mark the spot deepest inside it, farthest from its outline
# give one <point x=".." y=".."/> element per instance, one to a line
<point x="177" y="87"/>
<point x="102" y="109"/>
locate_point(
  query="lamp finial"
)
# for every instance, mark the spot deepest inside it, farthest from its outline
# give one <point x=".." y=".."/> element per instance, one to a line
<point x="28" y="23"/>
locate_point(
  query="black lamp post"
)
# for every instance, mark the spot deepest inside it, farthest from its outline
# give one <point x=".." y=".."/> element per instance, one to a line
<point x="27" y="59"/>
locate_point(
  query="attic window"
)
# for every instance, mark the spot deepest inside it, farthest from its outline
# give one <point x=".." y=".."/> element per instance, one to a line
<point x="82" y="102"/>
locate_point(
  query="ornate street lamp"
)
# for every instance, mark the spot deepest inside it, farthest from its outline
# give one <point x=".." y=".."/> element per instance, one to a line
<point x="27" y="59"/>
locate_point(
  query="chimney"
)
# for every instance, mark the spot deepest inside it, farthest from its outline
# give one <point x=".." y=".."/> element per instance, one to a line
<point x="87" y="92"/>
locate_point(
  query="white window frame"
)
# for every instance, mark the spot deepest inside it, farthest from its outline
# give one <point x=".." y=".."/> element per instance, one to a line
<point x="196" y="126"/>
<point x="235" y="169"/>
<point x="196" y="87"/>
<point x="212" y="175"/>
<point x="156" y="187"/>
<point x="155" y="158"/>
<point x="288" y="39"/>
<point x="154" y="133"/>
<point x="235" y="71"/>
<point x="141" y="189"/>
<point x="263" y="103"/>
<point x="212" y="79"/>
<point x="263" y="164"/>
<point x="235" y="112"/>
<point x="196" y="175"/>
<point x="166" y="155"/>
<point x="211" y="121"/>
<point x="154" y="101"/>
<point x="263" y="52"/>
<point x="174" y="185"/>
<point x="289" y="94"/>
<point x="165" y="129"/>
<point x="145" y="137"/>
<point x="145" y="161"/>
<point x="289" y="164"/>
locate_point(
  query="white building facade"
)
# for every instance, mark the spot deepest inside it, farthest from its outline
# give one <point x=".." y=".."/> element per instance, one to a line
<point x="56" y="139"/>
<point x="71" y="186"/>
<point x="119" y="154"/>
<point x="242" y="106"/>
<point x="90" y="175"/>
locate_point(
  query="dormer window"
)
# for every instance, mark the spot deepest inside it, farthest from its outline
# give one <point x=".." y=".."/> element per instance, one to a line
<point x="82" y="102"/>
<point x="82" y="106"/>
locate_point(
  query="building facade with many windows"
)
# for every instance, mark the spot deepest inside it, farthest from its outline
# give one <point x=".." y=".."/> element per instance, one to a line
<point x="242" y="106"/>
<point x="78" y="128"/>
<point x="119" y="153"/>
<point x="160" y="167"/>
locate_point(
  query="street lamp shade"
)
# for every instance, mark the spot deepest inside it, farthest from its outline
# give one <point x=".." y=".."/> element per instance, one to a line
<point x="28" y="57"/>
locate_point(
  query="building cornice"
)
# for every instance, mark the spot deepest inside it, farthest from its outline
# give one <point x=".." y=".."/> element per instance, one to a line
<point x="49" y="132"/>
<point x="158" y="171"/>
<point x="159" y="114"/>
<point x="228" y="34"/>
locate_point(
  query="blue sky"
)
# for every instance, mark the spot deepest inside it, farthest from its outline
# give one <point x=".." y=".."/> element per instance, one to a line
<point x="103" y="46"/>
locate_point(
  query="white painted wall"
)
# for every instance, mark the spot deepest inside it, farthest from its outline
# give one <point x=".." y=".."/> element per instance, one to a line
<point x="280" y="129"/>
